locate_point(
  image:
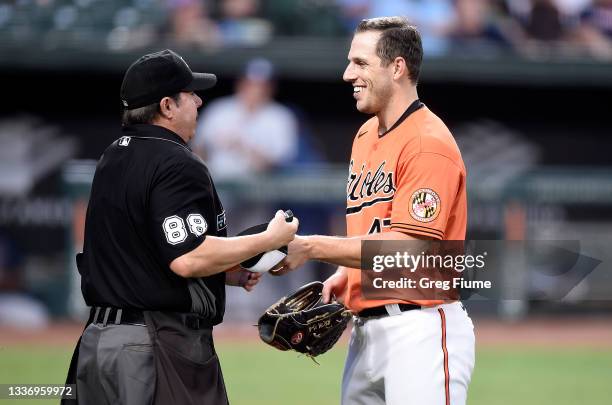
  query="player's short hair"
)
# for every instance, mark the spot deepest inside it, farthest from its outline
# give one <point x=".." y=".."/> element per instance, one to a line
<point x="144" y="115"/>
<point x="398" y="38"/>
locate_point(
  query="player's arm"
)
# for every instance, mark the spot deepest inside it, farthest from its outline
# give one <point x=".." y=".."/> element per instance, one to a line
<point x="333" y="249"/>
<point x="216" y="254"/>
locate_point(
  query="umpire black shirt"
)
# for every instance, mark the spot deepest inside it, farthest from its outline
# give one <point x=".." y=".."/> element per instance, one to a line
<point x="152" y="200"/>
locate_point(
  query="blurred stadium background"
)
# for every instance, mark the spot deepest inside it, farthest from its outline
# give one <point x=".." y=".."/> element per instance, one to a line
<point x="525" y="85"/>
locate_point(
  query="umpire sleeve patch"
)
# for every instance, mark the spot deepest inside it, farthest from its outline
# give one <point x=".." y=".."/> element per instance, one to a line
<point x="197" y="224"/>
<point x="174" y="229"/>
<point x="221" y="222"/>
<point x="176" y="232"/>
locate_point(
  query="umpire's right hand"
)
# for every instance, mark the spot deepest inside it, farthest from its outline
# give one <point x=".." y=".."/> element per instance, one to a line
<point x="280" y="231"/>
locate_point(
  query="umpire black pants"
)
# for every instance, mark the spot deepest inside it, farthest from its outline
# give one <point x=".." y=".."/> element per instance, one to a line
<point x="116" y="365"/>
<point x="170" y="361"/>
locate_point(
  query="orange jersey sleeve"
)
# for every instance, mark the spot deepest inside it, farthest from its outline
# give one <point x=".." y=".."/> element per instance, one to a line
<point x="428" y="187"/>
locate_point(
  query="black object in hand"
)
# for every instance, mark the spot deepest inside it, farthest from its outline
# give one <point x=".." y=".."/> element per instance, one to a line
<point x="259" y="263"/>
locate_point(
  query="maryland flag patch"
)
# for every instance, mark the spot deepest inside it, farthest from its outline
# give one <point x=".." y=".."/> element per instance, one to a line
<point x="425" y="205"/>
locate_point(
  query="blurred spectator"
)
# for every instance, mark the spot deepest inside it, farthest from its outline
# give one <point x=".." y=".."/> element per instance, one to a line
<point x="239" y="23"/>
<point x="595" y="30"/>
<point x="247" y="133"/>
<point x="190" y="24"/>
<point x="317" y="18"/>
<point x="434" y="18"/>
<point x="599" y="16"/>
<point x="548" y="20"/>
<point x="572" y="9"/>
<point x="352" y="12"/>
<point x="560" y="26"/>
<point x="544" y="22"/>
<point x="481" y="21"/>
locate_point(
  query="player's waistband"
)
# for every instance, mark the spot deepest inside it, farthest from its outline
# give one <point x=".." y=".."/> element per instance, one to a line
<point x="130" y="316"/>
<point x="386" y="310"/>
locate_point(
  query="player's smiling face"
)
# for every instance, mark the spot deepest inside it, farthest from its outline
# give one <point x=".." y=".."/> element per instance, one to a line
<point x="372" y="82"/>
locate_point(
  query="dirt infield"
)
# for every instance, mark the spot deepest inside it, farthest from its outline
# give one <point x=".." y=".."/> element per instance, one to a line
<point x="536" y="332"/>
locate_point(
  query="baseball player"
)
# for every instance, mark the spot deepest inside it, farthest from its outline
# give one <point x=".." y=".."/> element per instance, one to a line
<point x="406" y="182"/>
<point x="156" y="258"/>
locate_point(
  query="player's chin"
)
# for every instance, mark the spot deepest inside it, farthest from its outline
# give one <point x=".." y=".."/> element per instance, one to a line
<point x="364" y="108"/>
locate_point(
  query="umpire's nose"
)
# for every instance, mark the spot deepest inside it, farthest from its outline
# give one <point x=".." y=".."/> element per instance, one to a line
<point x="198" y="100"/>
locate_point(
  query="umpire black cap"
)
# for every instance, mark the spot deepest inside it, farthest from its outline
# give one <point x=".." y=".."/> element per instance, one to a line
<point x="158" y="75"/>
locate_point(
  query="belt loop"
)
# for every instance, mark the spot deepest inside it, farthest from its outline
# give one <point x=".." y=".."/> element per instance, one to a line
<point x="106" y="314"/>
<point x="95" y="318"/>
<point x="118" y="316"/>
<point x="393" y="309"/>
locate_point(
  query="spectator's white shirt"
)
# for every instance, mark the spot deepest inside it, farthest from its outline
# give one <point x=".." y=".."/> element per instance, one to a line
<point x="270" y="131"/>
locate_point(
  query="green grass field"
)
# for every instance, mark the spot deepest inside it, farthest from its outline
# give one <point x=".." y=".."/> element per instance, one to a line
<point x="256" y="374"/>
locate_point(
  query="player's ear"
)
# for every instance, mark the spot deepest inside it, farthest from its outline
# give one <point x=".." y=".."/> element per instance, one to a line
<point x="399" y="68"/>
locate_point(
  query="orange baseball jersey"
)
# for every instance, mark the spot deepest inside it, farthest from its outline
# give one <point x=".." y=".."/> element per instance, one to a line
<point x="412" y="180"/>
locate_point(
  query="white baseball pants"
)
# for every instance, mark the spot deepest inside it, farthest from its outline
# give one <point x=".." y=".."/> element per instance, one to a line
<point x="418" y="357"/>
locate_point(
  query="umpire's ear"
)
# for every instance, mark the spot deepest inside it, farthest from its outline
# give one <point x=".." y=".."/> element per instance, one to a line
<point x="166" y="107"/>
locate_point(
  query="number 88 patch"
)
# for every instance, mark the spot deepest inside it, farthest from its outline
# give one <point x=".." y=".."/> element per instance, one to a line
<point x="174" y="227"/>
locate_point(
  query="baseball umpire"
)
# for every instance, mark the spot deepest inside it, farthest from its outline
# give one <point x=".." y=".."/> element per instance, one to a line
<point x="407" y="181"/>
<point x="156" y="258"/>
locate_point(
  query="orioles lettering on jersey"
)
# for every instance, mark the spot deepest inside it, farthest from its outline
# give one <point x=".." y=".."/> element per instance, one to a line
<point x="367" y="189"/>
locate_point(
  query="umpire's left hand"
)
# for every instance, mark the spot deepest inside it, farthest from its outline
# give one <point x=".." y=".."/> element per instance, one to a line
<point x="239" y="277"/>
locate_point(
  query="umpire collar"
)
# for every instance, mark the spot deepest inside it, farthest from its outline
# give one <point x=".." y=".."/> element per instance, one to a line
<point x="153" y="131"/>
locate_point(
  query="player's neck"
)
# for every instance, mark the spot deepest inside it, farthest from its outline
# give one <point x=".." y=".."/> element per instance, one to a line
<point x="396" y="106"/>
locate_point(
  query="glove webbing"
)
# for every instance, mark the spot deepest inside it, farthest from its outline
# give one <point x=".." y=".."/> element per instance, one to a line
<point x="302" y="301"/>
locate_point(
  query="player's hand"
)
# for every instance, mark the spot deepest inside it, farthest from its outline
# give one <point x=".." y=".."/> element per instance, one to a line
<point x="335" y="286"/>
<point x="239" y="277"/>
<point x="297" y="254"/>
<point x="281" y="232"/>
